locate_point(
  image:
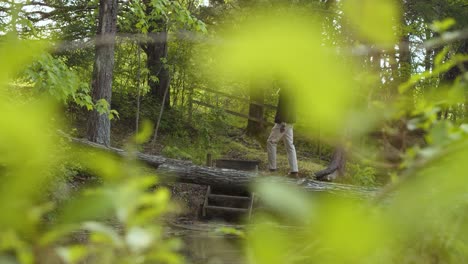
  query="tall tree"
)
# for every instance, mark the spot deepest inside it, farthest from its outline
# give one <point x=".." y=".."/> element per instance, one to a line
<point x="158" y="19"/>
<point x="156" y="52"/>
<point x="99" y="122"/>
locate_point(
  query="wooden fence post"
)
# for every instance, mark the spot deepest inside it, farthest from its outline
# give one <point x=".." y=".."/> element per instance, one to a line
<point x="209" y="161"/>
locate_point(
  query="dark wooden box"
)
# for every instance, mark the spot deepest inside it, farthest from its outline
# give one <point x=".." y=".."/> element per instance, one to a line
<point x="245" y="165"/>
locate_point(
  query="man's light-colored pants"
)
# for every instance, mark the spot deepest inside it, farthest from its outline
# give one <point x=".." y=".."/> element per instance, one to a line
<point x="274" y="138"/>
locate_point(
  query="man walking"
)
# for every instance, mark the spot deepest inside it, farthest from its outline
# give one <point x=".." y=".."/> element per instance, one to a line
<point x="283" y="129"/>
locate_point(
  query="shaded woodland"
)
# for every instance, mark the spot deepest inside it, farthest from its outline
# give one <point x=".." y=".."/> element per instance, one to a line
<point x="107" y="104"/>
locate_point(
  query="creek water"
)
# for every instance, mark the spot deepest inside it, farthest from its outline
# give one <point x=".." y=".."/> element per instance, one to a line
<point x="205" y="244"/>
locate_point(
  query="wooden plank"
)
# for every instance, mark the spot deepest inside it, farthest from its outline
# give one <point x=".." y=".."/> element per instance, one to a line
<point x="205" y="203"/>
<point x="238" y="98"/>
<point x="229" y="209"/>
<point x="252" y="197"/>
<point x="223" y="196"/>
<point x="234" y="113"/>
<point x="209" y="161"/>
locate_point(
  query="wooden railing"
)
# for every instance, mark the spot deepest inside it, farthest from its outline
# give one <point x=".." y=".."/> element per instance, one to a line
<point x="237" y="98"/>
<point x="242" y="99"/>
<point x="246" y="116"/>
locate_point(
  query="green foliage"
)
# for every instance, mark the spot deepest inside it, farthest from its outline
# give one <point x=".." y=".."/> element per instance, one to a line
<point x="323" y="222"/>
<point x="176" y="153"/>
<point x="361" y="175"/>
<point x="14" y="20"/>
<point x="454" y="60"/>
<point x="125" y="84"/>
<point x="423" y="222"/>
<point x="103" y="107"/>
<point x="249" y="58"/>
<point x="230" y="231"/>
<point x="444" y="25"/>
<point x="194" y="140"/>
<point x="147" y="16"/>
<point x="117" y="217"/>
<point x="51" y="75"/>
<point x="374" y="20"/>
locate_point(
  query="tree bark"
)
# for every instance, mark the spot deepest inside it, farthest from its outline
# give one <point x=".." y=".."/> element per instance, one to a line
<point x="404" y="59"/>
<point x="183" y="171"/>
<point x="156" y="52"/>
<point x="137" y="119"/>
<point x="429" y="53"/>
<point x="99" y="124"/>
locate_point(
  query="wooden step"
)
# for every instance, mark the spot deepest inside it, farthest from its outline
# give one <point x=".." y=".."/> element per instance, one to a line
<point x="229" y="209"/>
<point x="223" y="196"/>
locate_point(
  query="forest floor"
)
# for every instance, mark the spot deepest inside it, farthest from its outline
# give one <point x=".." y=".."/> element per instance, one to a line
<point x="233" y="145"/>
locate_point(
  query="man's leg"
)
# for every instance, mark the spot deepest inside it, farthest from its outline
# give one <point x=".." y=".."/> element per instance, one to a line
<point x="290" y="149"/>
<point x="275" y="136"/>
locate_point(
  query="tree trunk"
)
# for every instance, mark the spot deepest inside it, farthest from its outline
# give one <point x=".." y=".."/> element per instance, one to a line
<point x="404" y="52"/>
<point x="99" y="124"/>
<point x="429" y="53"/>
<point x="393" y="61"/>
<point x="257" y="96"/>
<point x="156" y="51"/>
<point x="137" y="119"/>
<point x="183" y="171"/>
<point x="404" y="62"/>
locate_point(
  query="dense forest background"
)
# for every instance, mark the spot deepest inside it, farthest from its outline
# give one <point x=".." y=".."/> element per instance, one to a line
<point x="386" y="81"/>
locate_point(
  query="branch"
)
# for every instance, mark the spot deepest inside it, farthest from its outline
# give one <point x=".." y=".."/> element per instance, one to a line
<point x="446" y="38"/>
<point x="35" y="3"/>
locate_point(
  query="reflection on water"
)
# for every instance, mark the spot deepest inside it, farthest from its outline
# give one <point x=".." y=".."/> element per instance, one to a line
<point x="204" y="244"/>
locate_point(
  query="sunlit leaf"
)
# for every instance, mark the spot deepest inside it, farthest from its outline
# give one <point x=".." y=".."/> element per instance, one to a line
<point x="438" y="135"/>
<point x="441" y="56"/>
<point x="231" y="231"/>
<point x="101" y="233"/>
<point x="145" y="133"/>
<point x="91" y="205"/>
<point x="286" y="200"/>
<point x="72" y="254"/>
<point x="374" y="20"/>
<point x="16" y="54"/>
<point x="56" y="234"/>
<point x="267" y="243"/>
<point x="440" y="26"/>
<point x="105" y="165"/>
<point x="287" y="47"/>
<point x="139" y="239"/>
